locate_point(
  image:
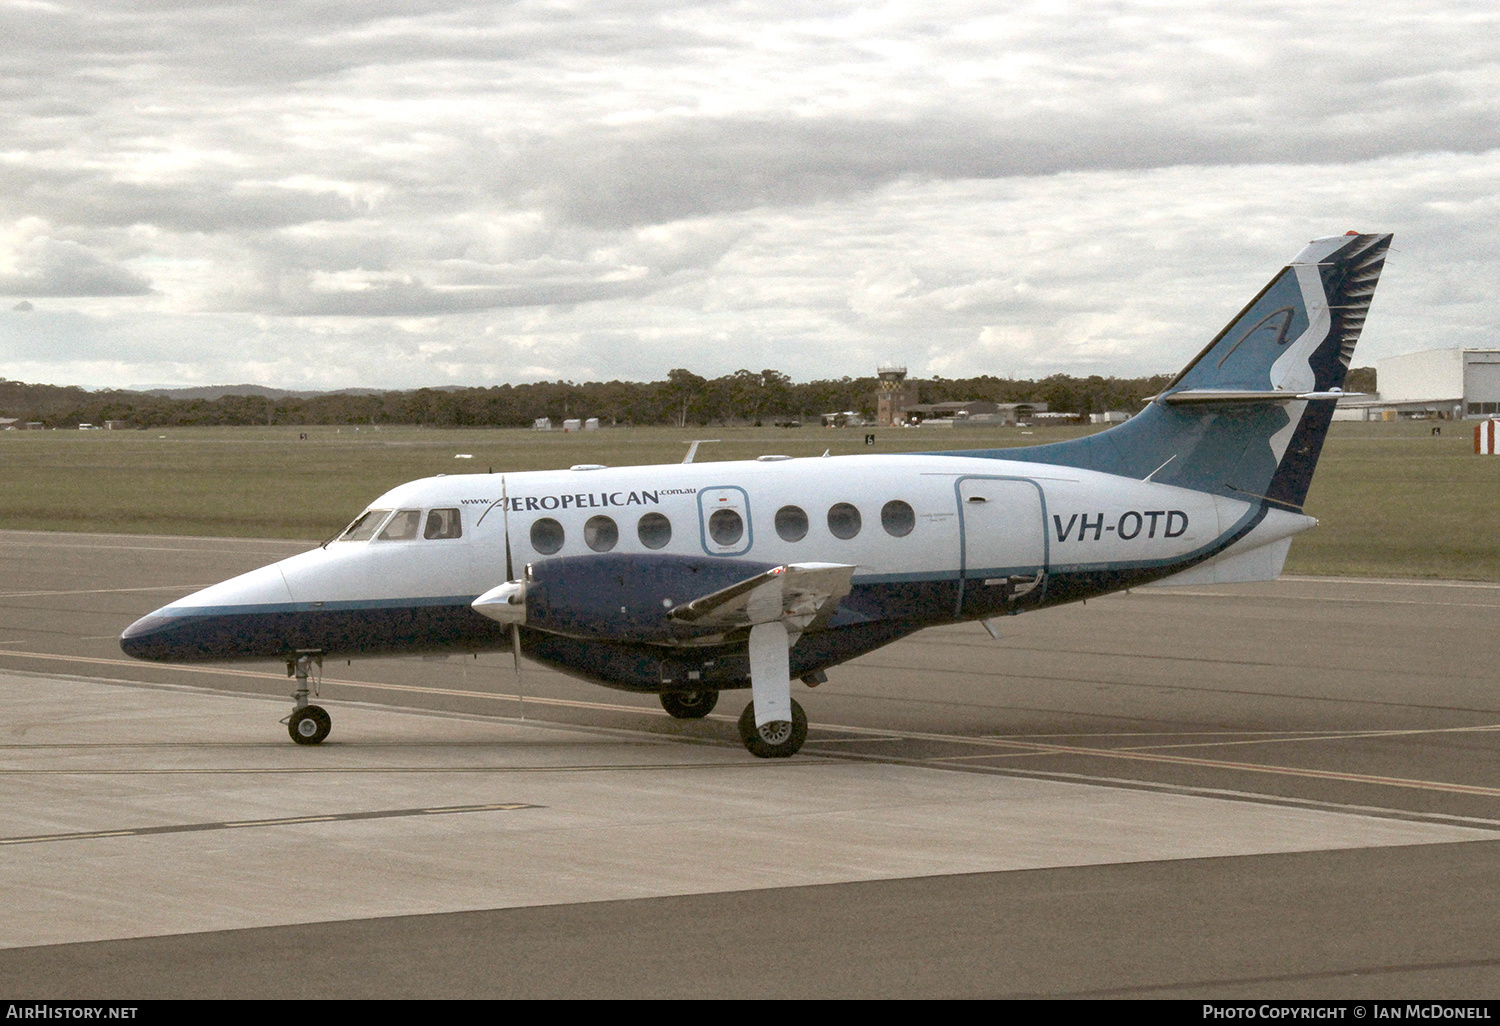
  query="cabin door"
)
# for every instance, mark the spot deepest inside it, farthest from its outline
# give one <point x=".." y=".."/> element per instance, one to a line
<point x="1003" y="536"/>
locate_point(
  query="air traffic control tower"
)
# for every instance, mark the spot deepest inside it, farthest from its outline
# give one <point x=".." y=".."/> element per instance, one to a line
<point x="894" y="395"/>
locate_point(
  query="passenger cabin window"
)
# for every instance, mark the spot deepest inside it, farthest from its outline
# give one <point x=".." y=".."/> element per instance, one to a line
<point x="843" y="520"/>
<point x="791" y="523"/>
<point x="402" y="526"/>
<point x="897" y="518"/>
<point x="601" y="533"/>
<point x="364" y="527"/>
<point x="654" y="530"/>
<point x="546" y="536"/>
<point x="725" y="527"/>
<point x="443" y="523"/>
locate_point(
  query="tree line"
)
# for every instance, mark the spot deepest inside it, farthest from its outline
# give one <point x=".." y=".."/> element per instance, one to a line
<point x="682" y="399"/>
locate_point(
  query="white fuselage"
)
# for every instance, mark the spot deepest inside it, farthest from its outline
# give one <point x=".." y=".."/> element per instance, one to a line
<point x="970" y="517"/>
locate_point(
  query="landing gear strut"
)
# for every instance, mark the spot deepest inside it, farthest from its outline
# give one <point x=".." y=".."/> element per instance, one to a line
<point x="778" y="739"/>
<point x="308" y="724"/>
<point x="689" y="705"/>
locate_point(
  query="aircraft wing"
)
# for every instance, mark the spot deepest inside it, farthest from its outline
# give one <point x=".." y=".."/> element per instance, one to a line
<point x="795" y="594"/>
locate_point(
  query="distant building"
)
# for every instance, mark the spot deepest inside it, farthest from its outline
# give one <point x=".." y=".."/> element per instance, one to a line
<point x="893" y="396"/>
<point x="542" y="424"/>
<point x="973" y="411"/>
<point x="1434" y="383"/>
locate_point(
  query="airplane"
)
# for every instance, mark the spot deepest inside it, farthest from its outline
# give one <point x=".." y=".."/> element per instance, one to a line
<point x="686" y="580"/>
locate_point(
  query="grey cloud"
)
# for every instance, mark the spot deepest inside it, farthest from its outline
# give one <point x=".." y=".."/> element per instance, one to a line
<point x="417" y="299"/>
<point x="615" y="179"/>
<point x="281" y="44"/>
<point x="51" y="267"/>
<point x="729" y="169"/>
<point x="201" y="204"/>
<point x="1100" y="95"/>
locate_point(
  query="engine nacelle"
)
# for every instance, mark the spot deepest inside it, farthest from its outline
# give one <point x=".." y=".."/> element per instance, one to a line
<point x="615" y="596"/>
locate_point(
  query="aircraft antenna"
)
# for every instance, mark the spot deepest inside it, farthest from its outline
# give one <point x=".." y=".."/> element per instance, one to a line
<point x="693" y="448"/>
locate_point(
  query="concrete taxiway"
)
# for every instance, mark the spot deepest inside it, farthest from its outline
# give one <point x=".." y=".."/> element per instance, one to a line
<point x="1287" y="789"/>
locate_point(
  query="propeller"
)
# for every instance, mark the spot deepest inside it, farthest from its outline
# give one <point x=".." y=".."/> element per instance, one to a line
<point x="515" y="628"/>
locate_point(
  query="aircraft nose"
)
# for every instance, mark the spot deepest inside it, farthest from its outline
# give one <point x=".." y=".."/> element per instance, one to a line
<point x="223" y="621"/>
<point x="150" y="636"/>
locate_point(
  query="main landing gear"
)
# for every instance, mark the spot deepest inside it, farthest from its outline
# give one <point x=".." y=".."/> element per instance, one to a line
<point x="778" y="739"/>
<point x="308" y="724"/>
<point x="689" y="705"/>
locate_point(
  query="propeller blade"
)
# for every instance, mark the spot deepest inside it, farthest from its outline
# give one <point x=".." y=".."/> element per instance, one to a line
<point x="515" y="655"/>
<point x="505" y="526"/>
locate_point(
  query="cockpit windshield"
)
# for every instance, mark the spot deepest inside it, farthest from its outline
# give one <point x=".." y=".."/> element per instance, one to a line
<point x="403" y="526"/>
<point x="365" y="526"/>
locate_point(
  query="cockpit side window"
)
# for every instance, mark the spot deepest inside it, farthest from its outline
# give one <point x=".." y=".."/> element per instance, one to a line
<point x="443" y="523"/>
<point x="365" y="525"/>
<point x="403" y="526"/>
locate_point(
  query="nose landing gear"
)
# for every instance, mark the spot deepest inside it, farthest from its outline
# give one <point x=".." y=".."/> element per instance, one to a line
<point x="308" y="724"/>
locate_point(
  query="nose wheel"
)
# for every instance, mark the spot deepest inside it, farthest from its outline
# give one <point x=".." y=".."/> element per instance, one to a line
<point x="308" y="724"/>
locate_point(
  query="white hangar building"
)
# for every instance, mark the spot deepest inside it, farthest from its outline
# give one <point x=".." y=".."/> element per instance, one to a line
<point x="1447" y="383"/>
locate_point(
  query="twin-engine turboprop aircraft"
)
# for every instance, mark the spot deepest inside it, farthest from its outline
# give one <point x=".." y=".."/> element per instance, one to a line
<point x="690" y="579"/>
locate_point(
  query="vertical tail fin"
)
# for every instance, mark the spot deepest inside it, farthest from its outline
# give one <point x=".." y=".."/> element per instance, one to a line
<point x="1247" y="417"/>
<point x="1299" y="333"/>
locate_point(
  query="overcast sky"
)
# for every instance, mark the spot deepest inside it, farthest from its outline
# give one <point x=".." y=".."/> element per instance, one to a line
<point x="321" y="194"/>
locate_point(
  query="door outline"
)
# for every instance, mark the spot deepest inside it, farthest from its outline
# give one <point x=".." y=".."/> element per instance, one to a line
<point x="744" y="511"/>
<point x="963" y="537"/>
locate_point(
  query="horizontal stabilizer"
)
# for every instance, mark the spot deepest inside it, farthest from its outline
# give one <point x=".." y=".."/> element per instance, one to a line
<point x="1234" y="395"/>
<point x="797" y="594"/>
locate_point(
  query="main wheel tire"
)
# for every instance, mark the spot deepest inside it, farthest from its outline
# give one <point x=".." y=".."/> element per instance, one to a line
<point x="689" y="705"/>
<point x="775" y="740"/>
<point x="309" y="725"/>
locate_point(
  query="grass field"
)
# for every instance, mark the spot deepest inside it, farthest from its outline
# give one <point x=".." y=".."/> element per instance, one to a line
<point x="1393" y="500"/>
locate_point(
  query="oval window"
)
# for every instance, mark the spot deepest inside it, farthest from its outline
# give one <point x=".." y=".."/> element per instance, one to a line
<point x="600" y="534"/>
<point x="791" y="523"/>
<point x="725" y="527"/>
<point x="897" y="518"/>
<point x="546" y="536"/>
<point x="654" y="530"/>
<point x="843" y="520"/>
